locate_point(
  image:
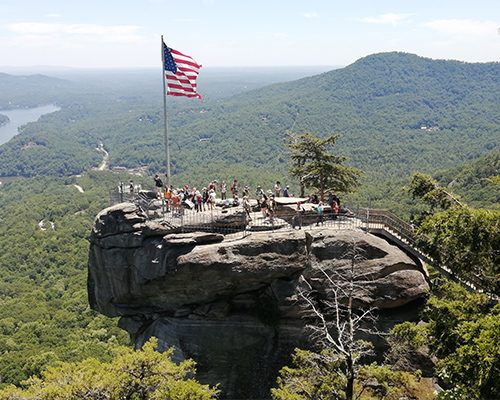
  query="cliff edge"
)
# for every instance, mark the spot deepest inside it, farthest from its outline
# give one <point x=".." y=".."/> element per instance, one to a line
<point x="229" y="302"/>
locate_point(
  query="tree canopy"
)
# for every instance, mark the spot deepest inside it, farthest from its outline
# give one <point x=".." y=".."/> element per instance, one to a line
<point x="316" y="168"/>
<point x="462" y="328"/>
<point x="134" y="375"/>
<point x="464" y="239"/>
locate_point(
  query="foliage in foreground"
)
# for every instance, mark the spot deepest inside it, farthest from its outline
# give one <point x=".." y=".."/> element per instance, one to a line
<point x="464" y="239"/>
<point x="463" y="331"/>
<point x="142" y="375"/>
<point x="320" y="377"/>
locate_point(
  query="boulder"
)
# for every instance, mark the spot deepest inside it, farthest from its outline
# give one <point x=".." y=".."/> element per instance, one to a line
<point x="231" y="304"/>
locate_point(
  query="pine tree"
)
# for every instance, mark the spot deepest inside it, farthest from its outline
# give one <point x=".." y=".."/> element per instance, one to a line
<point x="316" y="168"/>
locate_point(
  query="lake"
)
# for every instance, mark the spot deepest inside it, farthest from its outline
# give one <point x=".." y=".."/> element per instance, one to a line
<point x="21" y="117"/>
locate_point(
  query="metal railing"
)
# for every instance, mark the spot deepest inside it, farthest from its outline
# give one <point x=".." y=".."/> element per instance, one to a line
<point x="375" y="220"/>
<point x="383" y="219"/>
<point x="229" y="219"/>
<point x="232" y="220"/>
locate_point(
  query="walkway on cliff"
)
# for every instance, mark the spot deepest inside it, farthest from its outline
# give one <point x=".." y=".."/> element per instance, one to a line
<point x="235" y="220"/>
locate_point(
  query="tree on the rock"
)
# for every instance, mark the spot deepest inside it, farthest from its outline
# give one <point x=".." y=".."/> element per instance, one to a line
<point x="333" y="324"/>
<point x="336" y="371"/>
<point x="427" y="189"/>
<point x="316" y="168"/>
<point x="134" y="375"/>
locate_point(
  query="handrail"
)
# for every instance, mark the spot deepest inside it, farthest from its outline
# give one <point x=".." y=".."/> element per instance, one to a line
<point x="370" y="219"/>
<point x="382" y="219"/>
<point x="388" y="220"/>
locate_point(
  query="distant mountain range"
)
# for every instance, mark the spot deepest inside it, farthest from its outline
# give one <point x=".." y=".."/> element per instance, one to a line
<point x="397" y="113"/>
<point x="22" y="91"/>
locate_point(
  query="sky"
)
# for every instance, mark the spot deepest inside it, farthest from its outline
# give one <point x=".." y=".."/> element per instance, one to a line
<point x="229" y="33"/>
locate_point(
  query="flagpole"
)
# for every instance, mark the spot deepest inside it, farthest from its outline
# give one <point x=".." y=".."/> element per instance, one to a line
<point x="167" y="151"/>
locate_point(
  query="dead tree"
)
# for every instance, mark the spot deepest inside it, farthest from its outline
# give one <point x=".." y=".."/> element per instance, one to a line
<point x="332" y="320"/>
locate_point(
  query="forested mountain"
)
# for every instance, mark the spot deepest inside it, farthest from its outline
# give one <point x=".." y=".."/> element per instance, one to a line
<point x="25" y="91"/>
<point x="473" y="182"/>
<point x="397" y="113"/>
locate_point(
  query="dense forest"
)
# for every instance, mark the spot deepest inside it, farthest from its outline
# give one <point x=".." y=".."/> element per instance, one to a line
<point x="396" y="113"/>
<point x="44" y="315"/>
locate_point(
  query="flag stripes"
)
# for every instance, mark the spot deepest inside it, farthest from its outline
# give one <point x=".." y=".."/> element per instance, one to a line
<point x="181" y="72"/>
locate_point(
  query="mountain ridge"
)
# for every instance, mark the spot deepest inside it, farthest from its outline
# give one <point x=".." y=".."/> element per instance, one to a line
<point x="379" y="104"/>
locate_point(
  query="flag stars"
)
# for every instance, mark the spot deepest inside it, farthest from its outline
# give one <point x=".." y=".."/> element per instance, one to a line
<point x="169" y="60"/>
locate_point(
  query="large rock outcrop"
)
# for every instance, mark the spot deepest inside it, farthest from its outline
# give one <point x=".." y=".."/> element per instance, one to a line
<point x="230" y="302"/>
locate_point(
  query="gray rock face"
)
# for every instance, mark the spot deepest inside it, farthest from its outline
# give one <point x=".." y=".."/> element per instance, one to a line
<point x="231" y="305"/>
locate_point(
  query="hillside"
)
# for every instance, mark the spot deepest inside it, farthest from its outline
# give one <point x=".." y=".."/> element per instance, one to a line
<point x="473" y="181"/>
<point x="379" y="105"/>
<point x="24" y="91"/>
<point x="44" y="313"/>
<point x="397" y="113"/>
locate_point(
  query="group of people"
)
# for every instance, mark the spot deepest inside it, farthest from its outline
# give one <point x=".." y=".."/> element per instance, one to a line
<point x="235" y="191"/>
<point x="333" y="202"/>
<point x="132" y="189"/>
<point x="197" y="199"/>
<point x="265" y="200"/>
<point x="205" y="199"/>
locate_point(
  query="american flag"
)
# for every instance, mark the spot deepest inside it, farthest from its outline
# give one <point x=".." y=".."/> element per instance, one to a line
<point x="181" y="72"/>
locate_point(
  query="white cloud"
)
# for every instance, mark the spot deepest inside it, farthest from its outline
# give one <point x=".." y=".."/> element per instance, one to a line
<point x="53" y="15"/>
<point x="280" y="36"/>
<point x="43" y="35"/>
<point x="72" y="29"/>
<point x="391" y="18"/>
<point x="464" y="27"/>
<point x="37" y="41"/>
<point x="311" y="15"/>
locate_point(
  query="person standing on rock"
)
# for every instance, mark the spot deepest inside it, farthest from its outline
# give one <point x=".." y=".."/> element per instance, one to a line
<point x="168" y="196"/>
<point x="247" y="206"/>
<point x="297" y="218"/>
<point x="234" y="188"/>
<point x="319" y="212"/>
<point x="212" y="186"/>
<point x="211" y="199"/>
<point x="263" y="205"/>
<point x="223" y="190"/>
<point x="204" y="196"/>
<point x="131" y="189"/>
<point x="259" y="193"/>
<point x="198" y="201"/>
<point x="334" y="205"/>
<point x="159" y="186"/>
<point x="271" y="207"/>
<point x="277" y="189"/>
